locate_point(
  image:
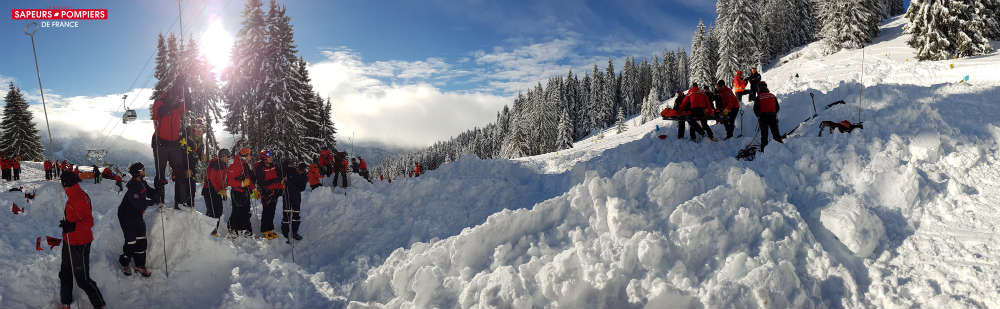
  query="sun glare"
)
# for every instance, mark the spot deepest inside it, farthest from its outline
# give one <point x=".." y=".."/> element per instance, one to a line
<point x="215" y="45"/>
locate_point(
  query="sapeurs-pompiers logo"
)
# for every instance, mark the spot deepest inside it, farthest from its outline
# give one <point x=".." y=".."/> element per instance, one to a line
<point x="59" y="17"/>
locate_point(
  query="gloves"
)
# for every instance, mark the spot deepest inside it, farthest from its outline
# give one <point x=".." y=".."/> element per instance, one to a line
<point x="187" y="174"/>
<point x="725" y="112"/>
<point x="245" y="183"/>
<point x="255" y="194"/>
<point x="67" y="227"/>
<point x="224" y="194"/>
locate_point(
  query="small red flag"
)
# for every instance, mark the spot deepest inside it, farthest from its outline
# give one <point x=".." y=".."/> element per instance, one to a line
<point x="53" y="242"/>
<point x="38" y="244"/>
<point x="15" y="209"/>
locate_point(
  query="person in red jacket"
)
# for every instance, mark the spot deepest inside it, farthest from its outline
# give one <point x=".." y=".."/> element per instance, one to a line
<point x="729" y="107"/>
<point x="340" y="168"/>
<point x="271" y="180"/>
<point x="48" y="169"/>
<point x="698" y="104"/>
<point x="240" y="176"/>
<point x="766" y="107"/>
<point x="167" y="112"/>
<point x="5" y="166"/>
<point x="739" y="85"/>
<point x="214" y="187"/>
<point x="326" y="161"/>
<point x="416" y="169"/>
<point x="77" y="236"/>
<point x="363" y="168"/>
<point x="16" y="165"/>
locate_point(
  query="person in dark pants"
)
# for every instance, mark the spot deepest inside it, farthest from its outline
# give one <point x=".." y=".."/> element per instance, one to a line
<point x="290" y="215"/>
<point x="754" y="81"/>
<point x="698" y="103"/>
<point x="167" y="112"/>
<point x="48" y="169"/>
<point x="239" y="175"/>
<point x="729" y="106"/>
<point x="766" y="108"/>
<point x="97" y="174"/>
<point x="77" y="236"/>
<point x="270" y="179"/>
<point x="340" y="169"/>
<point x="137" y="198"/>
<point x="16" y="164"/>
<point x="214" y="189"/>
<point x="681" y="124"/>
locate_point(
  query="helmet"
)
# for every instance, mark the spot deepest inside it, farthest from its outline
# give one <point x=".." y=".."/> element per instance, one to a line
<point x="265" y="154"/>
<point x="244" y="151"/>
<point x="135" y="168"/>
<point x="224" y="152"/>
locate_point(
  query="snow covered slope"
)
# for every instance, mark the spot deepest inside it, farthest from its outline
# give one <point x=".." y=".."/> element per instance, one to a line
<point x="900" y="214"/>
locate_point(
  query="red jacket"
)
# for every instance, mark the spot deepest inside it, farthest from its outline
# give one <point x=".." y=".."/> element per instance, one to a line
<point x="363" y="166"/>
<point x="739" y="84"/>
<point x="215" y="174"/>
<point x="168" y="118"/>
<point x="238" y="171"/>
<point x="78" y="211"/>
<point x="729" y="100"/>
<point x="107" y="173"/>
<point x="345" y="165"/>
<point x="325" y="158"/>
<point x="16" y="164"/>
<point x="268" y="177"/>
<point x="47" y="165"/>
<point x="416" y="171"/>
<point x="695" y="99"/>
<point x="768" y="103"/>
<point x="4" y="164"/>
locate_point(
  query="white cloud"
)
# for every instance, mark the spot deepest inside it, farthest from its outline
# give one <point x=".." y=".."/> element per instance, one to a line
<point x="409" y="114"/>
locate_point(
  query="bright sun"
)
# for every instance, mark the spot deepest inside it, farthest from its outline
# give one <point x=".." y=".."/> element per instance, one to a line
<point x="215" y="45"/>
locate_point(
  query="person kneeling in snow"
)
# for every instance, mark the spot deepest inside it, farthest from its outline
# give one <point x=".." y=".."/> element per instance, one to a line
<point x="77" y="236"/>
<point x="766" y="107"/>
<point x="138" y="197"/>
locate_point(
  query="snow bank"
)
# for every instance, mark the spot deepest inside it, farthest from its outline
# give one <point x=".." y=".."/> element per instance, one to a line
<point x="856" y="227"/>
<point x="646" y="237"/>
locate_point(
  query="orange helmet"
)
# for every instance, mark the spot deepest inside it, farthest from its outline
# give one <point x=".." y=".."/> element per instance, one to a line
<point x="244" y="152"/>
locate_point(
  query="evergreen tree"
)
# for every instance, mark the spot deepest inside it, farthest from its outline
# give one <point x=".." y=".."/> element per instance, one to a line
<point x="944" y="29"/>
<point x="850" y="23"/>
<point x="670" y="73"/>
<point x="629" y="85"/>
<point x="597" y="107"/>
<point x="329" y="131"/>
<point x="620" y="121"/>
<point x="284" y="98"/>
<point x="609" y="95"/>
<point x="650" y="106"/>
<point x="658" y="80"/>
<point x="20" y="137"/>
<point x="788" y="24"/>
<point x="245" y="80"/>
<point x="681" y="73"/>
<point x="565" y="138"/>
<point x="699" y="56"/>
<point x="989" y="10"/>
<point x="584" y="113"/>
<point x="744" y="37"/>
<point x="727" y="65"/>
<point x="896" y="7"/>
<point x="203" y="91"/>
<point x="712" y="46"/>
<point x="162" y="82"/>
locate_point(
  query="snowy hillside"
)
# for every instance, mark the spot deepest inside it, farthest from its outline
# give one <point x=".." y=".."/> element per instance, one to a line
<point x="900" y="214"/>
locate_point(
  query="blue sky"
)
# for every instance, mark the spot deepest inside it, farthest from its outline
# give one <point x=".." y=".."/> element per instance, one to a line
<point x="399" y="72"/>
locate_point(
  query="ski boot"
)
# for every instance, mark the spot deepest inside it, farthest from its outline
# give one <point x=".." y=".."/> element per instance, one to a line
<point x="296" y="236"/>
<point x="143" y="271"/>
<point x="126" y="271"/>
<point x="269" y="235"/>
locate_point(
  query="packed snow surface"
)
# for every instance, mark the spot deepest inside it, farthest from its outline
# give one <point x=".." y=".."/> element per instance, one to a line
<point x="900" y="214"/>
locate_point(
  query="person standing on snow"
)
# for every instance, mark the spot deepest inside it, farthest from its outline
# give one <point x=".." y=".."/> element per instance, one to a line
<point x="326" y="161"/>
<point x="739" y="85"/>
<point x="97" y="173"/>
<point x="167" y="112"/>
<point x="290" y="212"/>
<point x="270" y="179"/>
<point x="754" y="81"/>
<point x="4" y="168"/>
<point x="363" y="167"/>
<point x="137" y="198"/>
<point x="677" y="106"/>
<point x="314" y="175"/>
<point x="729" y="106"/>
<point x="766" y="108"/>
<point x="697" y="103"/>
<point x="214" y="188"/>
<point x="239" y="175"/>
<point x="354" y="166"/>
<point x="48" y="169"/>
<point x="340" y="169"/>
<point x="16" y="167"/>
<point x="77" y="237"/>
